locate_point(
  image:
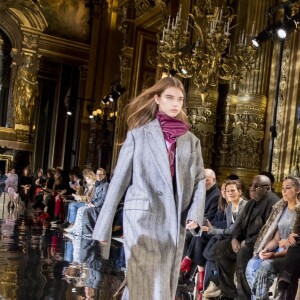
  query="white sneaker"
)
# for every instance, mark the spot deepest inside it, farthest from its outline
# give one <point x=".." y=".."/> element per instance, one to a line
<point x="212" y="291"/>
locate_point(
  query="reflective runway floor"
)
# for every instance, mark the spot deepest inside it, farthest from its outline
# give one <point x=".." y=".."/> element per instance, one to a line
<point x="39" y="263"/>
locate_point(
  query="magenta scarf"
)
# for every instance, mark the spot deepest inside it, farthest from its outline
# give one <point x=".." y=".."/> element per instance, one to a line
<point x="172" y="128"/>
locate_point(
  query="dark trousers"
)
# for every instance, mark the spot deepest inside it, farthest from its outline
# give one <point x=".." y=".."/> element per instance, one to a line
<point x="196" y="248"/>
<point x="229" y="262"/>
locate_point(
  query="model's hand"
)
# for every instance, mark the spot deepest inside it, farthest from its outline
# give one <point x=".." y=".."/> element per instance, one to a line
<point x="191" y="225"/>
<point x="236" y="245"/>
<point x="103" y="242"/>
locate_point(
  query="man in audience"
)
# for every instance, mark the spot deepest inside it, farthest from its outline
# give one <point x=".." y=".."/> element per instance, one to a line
<point x="212" y="194"/>
<point x="233" y="254"/>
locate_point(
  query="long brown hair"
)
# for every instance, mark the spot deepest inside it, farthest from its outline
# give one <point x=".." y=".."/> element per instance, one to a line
<point x="142" y="109"/>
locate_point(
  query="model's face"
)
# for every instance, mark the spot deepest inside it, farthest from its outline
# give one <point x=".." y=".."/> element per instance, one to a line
<point x="170" y="101"/>
<point x="289" y="191"/>
<point x="232" y="193"/>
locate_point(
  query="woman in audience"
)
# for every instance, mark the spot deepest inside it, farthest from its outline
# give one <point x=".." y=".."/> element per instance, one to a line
<point x="11" y="182"/>
<point x="82" y="201"/>
<point x="232" y="190"/>
<point x="272" y="241"/>
<point x="42" y="202"/>
<point x="61" y="188"/>
<point x="288" y="267"/>
<point x="25" y="186"/>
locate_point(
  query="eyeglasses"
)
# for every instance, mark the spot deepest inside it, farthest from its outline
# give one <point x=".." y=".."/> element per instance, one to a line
<point x="257" y="185"/>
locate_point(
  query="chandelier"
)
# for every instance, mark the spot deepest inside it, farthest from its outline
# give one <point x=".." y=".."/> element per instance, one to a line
<point x="206" y="56"/>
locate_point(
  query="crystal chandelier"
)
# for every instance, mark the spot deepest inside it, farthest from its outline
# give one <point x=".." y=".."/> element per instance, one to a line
<point x="208" y="59"/>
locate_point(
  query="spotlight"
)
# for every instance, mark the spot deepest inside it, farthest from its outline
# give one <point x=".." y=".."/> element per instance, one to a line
<point x="105" y="100"/>
<point x="69" y="113"/>
<point x="90" y="111"/>
<point x="263" y="36"/>
<point x="110" y="98"/>
<point x="286" y="28"/>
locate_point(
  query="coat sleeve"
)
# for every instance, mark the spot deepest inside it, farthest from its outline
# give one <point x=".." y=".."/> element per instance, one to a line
<point x="196" y="211"/>
<point x="117" y="188"/>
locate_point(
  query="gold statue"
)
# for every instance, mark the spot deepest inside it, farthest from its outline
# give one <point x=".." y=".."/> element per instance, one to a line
<point x="25" y="93"/>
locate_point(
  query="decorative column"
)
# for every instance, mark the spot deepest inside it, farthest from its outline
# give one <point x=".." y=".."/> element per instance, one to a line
<point x="126" y="27"/>
<point x="25" y="92"/>
<point x="201" y="110"/>
<point x="242" y="128"/>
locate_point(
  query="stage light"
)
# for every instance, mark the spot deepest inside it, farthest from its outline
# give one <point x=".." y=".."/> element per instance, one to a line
<point x="105" y="100"/>
<point x="286" y="28"/>
<point x="110" y="98"/>
<point x="263" y="36"/>
<point x="69" y="113"/>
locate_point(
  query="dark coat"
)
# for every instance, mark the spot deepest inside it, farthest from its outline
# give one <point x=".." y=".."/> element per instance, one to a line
<point x="211" y="202"/>
<point x="253" y="218"/>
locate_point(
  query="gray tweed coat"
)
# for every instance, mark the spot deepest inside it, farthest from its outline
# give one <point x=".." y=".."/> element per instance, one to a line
<point x="154" y="219"/>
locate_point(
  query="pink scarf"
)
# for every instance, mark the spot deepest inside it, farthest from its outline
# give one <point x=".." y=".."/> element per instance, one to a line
<point x="172" y="128"/>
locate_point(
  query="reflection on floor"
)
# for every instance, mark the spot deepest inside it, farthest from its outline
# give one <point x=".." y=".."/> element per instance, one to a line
<point x="39" y="263"/>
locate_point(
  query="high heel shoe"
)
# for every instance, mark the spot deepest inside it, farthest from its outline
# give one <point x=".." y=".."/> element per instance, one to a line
<point x="185" y="265"/>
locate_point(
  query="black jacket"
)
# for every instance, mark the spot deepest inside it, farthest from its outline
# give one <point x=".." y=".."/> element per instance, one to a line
<point x="211" y="202"/>
<point x="253" y="218"/>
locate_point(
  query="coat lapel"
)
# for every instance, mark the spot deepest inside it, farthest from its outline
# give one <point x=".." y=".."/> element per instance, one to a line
<point x="159" y="151"/>
<point x="183" y="152"/>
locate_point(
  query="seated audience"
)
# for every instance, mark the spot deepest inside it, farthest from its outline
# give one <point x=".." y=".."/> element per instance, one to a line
<point x="210" y="210"/>
<point x="11" y="181"/>
<point x="25" y="186"/>
<point x="233" y="254"/>
<point x="42" y="201"/>
<point x="236" y="202"/>
<point x="90" y="214"/>
<point x="82" y="200"/>
<point x="272" y="240"/>
<point x="61" y="188"/>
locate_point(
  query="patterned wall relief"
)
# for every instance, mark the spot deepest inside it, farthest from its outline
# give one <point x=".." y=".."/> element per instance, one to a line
<point x="241" y="134"/>
<point x="201" y="111"/>
<point x="67" y="18"/>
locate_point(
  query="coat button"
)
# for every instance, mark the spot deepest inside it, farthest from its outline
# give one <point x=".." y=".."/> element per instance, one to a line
<point x="159" y="193"/>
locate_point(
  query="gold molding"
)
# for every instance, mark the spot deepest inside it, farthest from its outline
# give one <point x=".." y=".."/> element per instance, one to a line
<point x="62" y="48"/>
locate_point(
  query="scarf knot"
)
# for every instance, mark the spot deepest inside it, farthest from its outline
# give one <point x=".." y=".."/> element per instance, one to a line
<point x="171" y="128"/>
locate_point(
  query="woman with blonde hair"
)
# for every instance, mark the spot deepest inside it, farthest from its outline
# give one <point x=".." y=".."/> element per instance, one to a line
<point x="82" y="197"/>
<point x="94" y="203"/>
<point x="161" y="174"/>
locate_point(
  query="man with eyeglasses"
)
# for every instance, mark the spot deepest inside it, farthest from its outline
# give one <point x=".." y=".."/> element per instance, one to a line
<point x="233" y="254"/>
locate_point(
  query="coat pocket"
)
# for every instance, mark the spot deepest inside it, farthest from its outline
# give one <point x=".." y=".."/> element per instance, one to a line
<point x="138" y="204"/>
